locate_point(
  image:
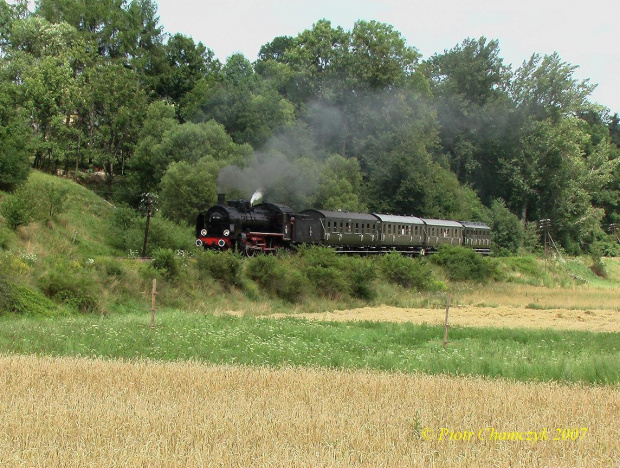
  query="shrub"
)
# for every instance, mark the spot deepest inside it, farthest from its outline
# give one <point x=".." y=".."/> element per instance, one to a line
<point x="124" y="221"/>
<point x="405" y="271"/>
<point x="71" y="285"/>
<point x="320" y="256"/>
<point x="6" y="294"/>
<point x="17" y="210"/>
<point x="506" y="228"/>
<point x="6" y="237"/>
<point x="291" y="286"/>
<point x="328" y="282"/>
<point x="462" y="264"/>
<point x="277" y="278"/>
<point x="361" y="274"/>
<point x="166" y="261"/>
<point x="225" y="267"/>
<point x="262" y="269"/>
<point x="598" y="267"/>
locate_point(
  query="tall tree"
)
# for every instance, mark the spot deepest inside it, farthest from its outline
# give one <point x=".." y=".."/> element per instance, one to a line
<point x="186" y="63"/>
<point x="468" y="82"/>
<point x="545" y="87"/>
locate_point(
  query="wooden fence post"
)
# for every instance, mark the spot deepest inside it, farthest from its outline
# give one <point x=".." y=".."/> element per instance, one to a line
<point x="153" y="292"/>
<point x="445" y="324"/>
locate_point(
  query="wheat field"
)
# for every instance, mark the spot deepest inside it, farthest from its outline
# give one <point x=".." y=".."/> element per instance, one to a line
<point x="80" y="412"/>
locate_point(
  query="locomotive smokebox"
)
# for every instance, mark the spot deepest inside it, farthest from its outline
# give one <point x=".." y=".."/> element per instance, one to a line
<point x="221" y="198"/>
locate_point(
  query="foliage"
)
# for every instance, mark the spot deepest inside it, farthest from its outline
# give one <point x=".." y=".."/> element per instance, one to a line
<point x="72" y="284"/>
<point x="332" y="118"/>
<point x="506" y="228"/>
<point x="226" y="267"/>
<point x="17" y="211"/>
<point x="165" y="260"/>
<point x="462" y="264"/>
<point x="406" y="271"/>
<point x="188" y="189"/>
<point x="277" y="278"/>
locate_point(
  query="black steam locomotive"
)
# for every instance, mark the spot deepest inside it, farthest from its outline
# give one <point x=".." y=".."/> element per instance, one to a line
<point x="266" y="227"/>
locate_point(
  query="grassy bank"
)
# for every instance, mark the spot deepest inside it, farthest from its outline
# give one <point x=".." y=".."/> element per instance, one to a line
<point x="545" y="355"/>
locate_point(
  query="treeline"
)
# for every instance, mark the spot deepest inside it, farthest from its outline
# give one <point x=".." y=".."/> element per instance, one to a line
<point x="352" y="120"/>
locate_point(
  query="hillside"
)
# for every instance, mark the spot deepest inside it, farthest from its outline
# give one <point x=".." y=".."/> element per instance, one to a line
<point x="83" y="257"/>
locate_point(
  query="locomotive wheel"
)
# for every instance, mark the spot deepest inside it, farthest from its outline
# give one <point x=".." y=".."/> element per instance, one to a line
<point x="249" y="252"/>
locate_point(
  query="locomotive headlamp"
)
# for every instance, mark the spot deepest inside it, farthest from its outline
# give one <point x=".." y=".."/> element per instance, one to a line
<point x="226" y="233"/>
<point x="203" y="232"/>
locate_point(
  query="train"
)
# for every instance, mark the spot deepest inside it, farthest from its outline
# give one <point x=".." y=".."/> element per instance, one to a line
<point x="266" y="227"/>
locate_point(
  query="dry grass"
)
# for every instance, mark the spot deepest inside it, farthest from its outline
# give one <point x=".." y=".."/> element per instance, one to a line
<point x="520" y="295"/>
<point x="502" y="305"/>
<point x="78" y="412"/>
<point x="471" y="316"/>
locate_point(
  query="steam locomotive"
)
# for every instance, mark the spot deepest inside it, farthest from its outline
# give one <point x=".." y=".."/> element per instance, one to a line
<point x="266" y="227"/>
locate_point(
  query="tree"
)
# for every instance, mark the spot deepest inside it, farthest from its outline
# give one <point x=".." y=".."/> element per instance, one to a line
<point x="116" y="114"/>
<point x="553" y="180"/>
<point x="506" y="228"/>
<point x="340" y="185"/>
<point x="250" y="109"/>
<point x="469" y="83"/>
<point x="186" y="64"/>
<point x="378" y="57"/>
<point x="164" y="141"/>
<point x="545" y="88"/>
<point x="187" y="189"/>
<point x="14" y="138"/>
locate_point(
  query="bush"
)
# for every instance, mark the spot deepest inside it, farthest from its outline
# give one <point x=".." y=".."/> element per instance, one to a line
<point x="328" y="282"/>
<point x="598" y="266"/>
<point x="124" y="221"/>
<point x="608" y="248"/>
<point x="277" y="278"/>
<point x="17" y="210"/>
<point x="71" y="285"/>
<point x="462" y="264"/>
<point x="225" y="267"/>
<point x="6" y="237"/>
<point x="324" y="257"/>
<point x="406" y="272"/>
<point x="361" y="275"/>
<point x="6" y="294"/>
<point x="506" y="228"/>
<point x="166" y="261"/>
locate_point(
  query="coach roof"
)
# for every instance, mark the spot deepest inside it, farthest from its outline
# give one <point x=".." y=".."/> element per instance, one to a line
<point x="399" y="219"/>
<point x="341" y="215"/>
<point x="442" y="223"/>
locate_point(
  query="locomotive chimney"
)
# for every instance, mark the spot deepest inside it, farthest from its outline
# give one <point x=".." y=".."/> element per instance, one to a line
<point x="221" y="198"/>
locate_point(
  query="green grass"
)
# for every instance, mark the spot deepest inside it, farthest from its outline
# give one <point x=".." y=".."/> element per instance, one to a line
<point x="545" y="355"/>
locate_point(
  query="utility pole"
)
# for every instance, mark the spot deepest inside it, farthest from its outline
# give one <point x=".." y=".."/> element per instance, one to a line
<point x="147" y="203"/>
<point x="544" y="224"/>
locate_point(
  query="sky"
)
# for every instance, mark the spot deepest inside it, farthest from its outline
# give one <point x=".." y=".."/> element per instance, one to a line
<point x="583" y="33"/>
